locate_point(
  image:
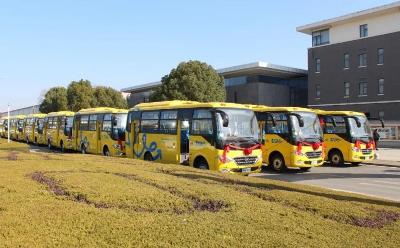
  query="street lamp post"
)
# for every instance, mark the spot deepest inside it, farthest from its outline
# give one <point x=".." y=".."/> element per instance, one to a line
<point x="8" y="123"/>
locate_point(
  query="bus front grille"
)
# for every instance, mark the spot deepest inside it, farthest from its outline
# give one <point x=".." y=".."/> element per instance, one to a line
<point x="316" y="154"/>
<point x="245" y="160"/>
<point x="366" y="151"/>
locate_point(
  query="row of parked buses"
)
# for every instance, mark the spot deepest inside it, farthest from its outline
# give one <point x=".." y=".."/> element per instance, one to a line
<point x="226" y="137"/>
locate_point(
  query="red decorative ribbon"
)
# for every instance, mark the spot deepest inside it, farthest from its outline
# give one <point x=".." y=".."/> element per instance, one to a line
<point x="369" y="144"/>
<point x="246" y="151"/>
<point x="315" y="145"/>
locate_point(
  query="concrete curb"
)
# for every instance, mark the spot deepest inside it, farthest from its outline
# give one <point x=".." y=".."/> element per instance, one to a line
<point x="384" y="163"/>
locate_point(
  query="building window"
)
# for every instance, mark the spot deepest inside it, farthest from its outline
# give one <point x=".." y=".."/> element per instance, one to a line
<point x="381" y="115"/>
<point x="318" y="65"/>
<point x="346" y="64"/>
<point x="381" y="52"/>
<point x="346" y="89"/>
<point x="363" y="30"/>
<point x="362" y="58"/>
<point x="381" y="86"/>
<point x="320" y="37"/>
<point x="317" y="91"/>
<point x="235" y="81"/>
<point x="363" y="88"/>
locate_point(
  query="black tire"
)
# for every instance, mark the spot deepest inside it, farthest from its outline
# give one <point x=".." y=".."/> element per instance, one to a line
<point x="305" y="169"/>
<point x="277" y="163"/>
<point x="355" y="163"/>
<point x="202" y="164"/>
<point x="106" y="152"/>
<point x="62" y="148"/>
<point x="83" y="149"/>
<point x="336" y="158"/>
<point x="148" y="156"/>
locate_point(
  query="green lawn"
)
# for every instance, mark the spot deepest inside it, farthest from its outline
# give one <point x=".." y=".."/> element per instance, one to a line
<point x="74" y="200"/>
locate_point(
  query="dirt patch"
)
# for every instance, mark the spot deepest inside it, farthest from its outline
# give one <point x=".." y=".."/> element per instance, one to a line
<point x="382" y="219"/>
<point x="12" y="156"/>
<point x="209" y="205"/>
<point x="55" y="187"/>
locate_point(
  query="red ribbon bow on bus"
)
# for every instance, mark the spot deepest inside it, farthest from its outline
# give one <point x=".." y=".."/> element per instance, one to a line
<point x="246" y="151"/>
<point x="315" y="145"/>
<point x="368" y="145"/>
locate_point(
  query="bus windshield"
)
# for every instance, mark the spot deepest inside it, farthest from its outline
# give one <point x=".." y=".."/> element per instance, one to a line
<point x="311" y="131"/>
<point x="120" y="125"/>
<point x="364" y="131"/>
<point x="242" y="126"/>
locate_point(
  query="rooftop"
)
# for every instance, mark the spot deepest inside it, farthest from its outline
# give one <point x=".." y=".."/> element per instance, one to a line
<point x="380" y="10"/>
<point x="256" y="68"/>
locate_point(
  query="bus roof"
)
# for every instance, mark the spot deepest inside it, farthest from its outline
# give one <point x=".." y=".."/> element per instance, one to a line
<point x="262" y="108"/>
<point x="177" y="104"/>
<point x="347" y="113"/>
<point x="101" y="110"/>
<point x="17" y="117"/>
<point x="60" y="113"/>
<point x="36" y="115"/>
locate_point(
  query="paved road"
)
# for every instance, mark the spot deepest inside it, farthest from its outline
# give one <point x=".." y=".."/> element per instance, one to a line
<point x="378" y="181"/>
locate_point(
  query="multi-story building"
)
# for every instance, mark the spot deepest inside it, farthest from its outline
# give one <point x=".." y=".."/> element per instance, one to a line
<point x="353" y="63"/>
<point x="255" y="83"/>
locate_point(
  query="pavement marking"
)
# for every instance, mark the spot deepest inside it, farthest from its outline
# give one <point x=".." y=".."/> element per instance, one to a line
<point x="386" y="182"/>
<point x="380" y="185"/>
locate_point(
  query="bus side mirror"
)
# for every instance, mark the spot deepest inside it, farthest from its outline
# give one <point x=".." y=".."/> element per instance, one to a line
<point x="272" y="119"/>
<point x="225" y="118"/>
<point x="358" y="122"/>
<point x="299" y="118"/>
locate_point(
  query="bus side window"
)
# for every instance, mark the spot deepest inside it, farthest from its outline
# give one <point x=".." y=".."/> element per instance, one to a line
<point x="107" y="123"/>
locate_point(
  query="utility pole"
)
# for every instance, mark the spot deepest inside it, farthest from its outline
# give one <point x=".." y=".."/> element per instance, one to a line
<point x="8" y="123"/>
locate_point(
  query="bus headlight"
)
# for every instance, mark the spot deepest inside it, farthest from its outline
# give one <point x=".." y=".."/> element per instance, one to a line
<point x="356" y="149"/>
<point x="117" y="146"/>
<point x="226" y="159"/>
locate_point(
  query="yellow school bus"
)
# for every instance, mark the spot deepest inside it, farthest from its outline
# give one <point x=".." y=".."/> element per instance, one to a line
<point x="58" y="129"/>
<point x="215" y="136"/>
<point x="291" y="137"/>
<point x="100" y="131"/>
<point x="31" y="123"/>
<point x="3" y="132"/>
<point x="17" y="126"/>
<point x="347" y="136"/>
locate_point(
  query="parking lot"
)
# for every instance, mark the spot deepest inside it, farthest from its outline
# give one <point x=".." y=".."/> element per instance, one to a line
<point x="372" y="180"/>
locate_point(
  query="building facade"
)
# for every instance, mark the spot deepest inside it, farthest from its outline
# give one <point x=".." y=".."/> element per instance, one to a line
<point x="23" y="111"/>
<point x="255" y="83"/>
<point x="353" y="62"/>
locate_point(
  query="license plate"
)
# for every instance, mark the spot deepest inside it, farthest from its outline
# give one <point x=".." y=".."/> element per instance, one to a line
<point x="314" y="162"/>
<point x="246" y="170"/>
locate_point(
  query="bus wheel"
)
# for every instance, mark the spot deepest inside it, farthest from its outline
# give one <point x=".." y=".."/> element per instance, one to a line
<point x="201" y="164"/>
<point x="278" y="163"/>
<point x="305" y="169"/>
<point x="83" y="149"/>
<point x="336" y="158"/>
<point x="62" y="149"/>
<point x="106" y="152"/>
<point x="148" y="156"/>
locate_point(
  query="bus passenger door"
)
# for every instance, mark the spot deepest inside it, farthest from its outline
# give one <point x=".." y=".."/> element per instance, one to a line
<point x="99" y="139"/>
<point x="184" y="142"/>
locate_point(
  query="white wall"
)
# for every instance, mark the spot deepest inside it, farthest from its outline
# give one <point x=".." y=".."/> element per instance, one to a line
<point x="377" y="25"/>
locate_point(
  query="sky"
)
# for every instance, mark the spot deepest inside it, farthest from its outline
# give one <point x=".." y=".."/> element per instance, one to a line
<point x="125" y="43"/>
